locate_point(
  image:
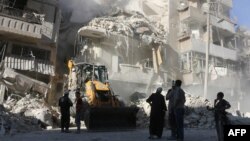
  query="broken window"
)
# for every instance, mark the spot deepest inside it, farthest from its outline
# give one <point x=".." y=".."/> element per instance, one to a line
<point x="27" y="51"/>
<point x="18" y="4"/>
<point x="3" y="46"/>
<point x="248" y="42"/>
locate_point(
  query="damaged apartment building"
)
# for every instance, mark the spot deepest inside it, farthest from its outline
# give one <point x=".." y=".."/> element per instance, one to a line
<point x="164" y="40"/>
<point x="193" y="39"/>
<point x="28" y="44"/>
<point x="133" y="47"/>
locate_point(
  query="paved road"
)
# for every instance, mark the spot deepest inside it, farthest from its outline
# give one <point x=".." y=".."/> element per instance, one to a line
<point x="135" y="135"/>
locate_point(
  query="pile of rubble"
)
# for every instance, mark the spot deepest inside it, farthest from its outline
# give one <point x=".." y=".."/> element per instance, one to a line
<point x="131" y="24"/>
<point x="14" y="123"/>
<point x="29" y="113"/>
<point x="196" y="113"/>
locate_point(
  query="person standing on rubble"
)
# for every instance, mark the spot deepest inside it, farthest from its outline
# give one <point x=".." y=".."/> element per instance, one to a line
<point x="65" y="103"/>
<point x="220" y="117"/>
<point x="157" y="114"/>
<point x="171" y="115"/>
<point x="79" y="106"/>
<point x="179" y="103"/>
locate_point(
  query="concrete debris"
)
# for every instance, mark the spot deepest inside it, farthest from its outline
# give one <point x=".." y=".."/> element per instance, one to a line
<point x="247" y="115"/>
<point x="22" y="84"/>
<point x="135" y="97"/>
<point x="29" y="113"/>
<point x="196" y="114"/>
<point x="14" y="123"/>
<point x="237" y="120"/>
<point x="131" y="24"/>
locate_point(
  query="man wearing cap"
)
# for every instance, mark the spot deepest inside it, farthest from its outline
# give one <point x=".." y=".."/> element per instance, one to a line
<point x="65" y="103"/>
<point x="157" y="114"/>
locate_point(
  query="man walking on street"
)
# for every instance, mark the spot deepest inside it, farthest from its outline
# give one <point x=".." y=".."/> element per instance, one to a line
<point x="179" y="101"/>
<point x="157" y="114"/>
<point x="65" y="103"/>
<point x="171" y="115"/>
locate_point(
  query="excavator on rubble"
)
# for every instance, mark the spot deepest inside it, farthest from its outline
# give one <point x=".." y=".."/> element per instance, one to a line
<point x="105" y="110"/>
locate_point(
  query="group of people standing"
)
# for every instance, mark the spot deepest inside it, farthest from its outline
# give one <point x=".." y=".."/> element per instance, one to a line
<point x="65" y="103"/>
<point x="176" y="109"/>
<point x="176" y="97"/>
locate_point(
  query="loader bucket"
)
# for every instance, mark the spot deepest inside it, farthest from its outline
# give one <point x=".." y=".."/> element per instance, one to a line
<point x="108" y="118"/>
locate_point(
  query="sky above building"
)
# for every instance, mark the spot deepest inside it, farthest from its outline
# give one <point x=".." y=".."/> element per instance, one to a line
<point x="241" y="12"/>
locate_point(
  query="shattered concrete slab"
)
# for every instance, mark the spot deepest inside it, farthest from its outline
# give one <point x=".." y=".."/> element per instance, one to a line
<point x="29" y="113"/>
<point x="22" y="84"/>
<point x="131" y="24"/>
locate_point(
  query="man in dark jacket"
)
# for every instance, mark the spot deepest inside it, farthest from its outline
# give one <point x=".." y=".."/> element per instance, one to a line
<point x="179" y="101"/>
<point x="171" y="114"/>
<point x="220" y="106"/>
<point x="158" y="109"/>
<point x="65" y="103"/>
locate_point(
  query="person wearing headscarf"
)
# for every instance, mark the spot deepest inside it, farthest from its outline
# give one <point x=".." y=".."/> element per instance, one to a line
<point x="157" y="113"/>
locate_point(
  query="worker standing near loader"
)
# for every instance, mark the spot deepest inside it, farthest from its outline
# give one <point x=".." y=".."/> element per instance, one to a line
<point x="65" y="103"/>
<point x="157" y="114"/>
<point x="79" y="107"/>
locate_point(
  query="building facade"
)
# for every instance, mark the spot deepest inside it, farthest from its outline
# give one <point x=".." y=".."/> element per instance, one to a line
<point x="28" y="36"/>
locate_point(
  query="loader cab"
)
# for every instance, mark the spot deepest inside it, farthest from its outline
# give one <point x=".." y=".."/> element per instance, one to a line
<point x="98" y="73"/>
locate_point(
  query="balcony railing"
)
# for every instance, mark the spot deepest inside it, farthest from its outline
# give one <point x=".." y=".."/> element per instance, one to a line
<point x="228" y="3"/>
<point x="29" y="64"/>
<point x="24" y="15"/>
<point x="223" y="23"/>
<point x="198" y="45"/>
<point x="23" y="23"/>
<point x="191" y="15"/>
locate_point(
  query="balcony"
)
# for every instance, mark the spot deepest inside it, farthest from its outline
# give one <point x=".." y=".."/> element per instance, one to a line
<point x="18" y="28"/>
<point x="228" y="3"/>
<point x="184" y="35"/>
<point x="223" y="23"/>
<point x="192" y="15"/>
<point x="198" y="45"/>
<point x="25" y="25"/>
<point x="29" y="64"/>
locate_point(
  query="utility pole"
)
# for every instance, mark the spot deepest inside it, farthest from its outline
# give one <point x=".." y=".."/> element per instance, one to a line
<point x="207" y="50"/>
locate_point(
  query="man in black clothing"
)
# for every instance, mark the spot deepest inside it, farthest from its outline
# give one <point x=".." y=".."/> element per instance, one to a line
<point x="157" y="114"/>
<point x="220" y="106"/>
<point x="65" y="103"/>
<point x="171" y="115"/>
<point x="179" y="103"/>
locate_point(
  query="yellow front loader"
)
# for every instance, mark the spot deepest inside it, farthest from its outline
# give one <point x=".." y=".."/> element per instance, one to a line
<point x="106" y="111"/>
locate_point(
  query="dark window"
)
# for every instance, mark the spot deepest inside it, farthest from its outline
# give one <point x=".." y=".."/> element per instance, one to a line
<point x="18" y="4"/>
<point x="27" y="51"/>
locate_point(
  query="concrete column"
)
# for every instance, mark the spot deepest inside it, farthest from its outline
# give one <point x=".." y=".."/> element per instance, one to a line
<point x="2" y="92"/>
<point x="155" y="64"/>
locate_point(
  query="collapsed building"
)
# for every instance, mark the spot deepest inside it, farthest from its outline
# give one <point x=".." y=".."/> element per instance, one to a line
<point x="183" y="24"/>
<point x="28" y="42"/>
<point x="132" y="49"/>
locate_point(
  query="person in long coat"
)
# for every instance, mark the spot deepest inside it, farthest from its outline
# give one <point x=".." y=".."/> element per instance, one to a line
<point x="157" y="114"/>
<point x="65" y="103"/>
